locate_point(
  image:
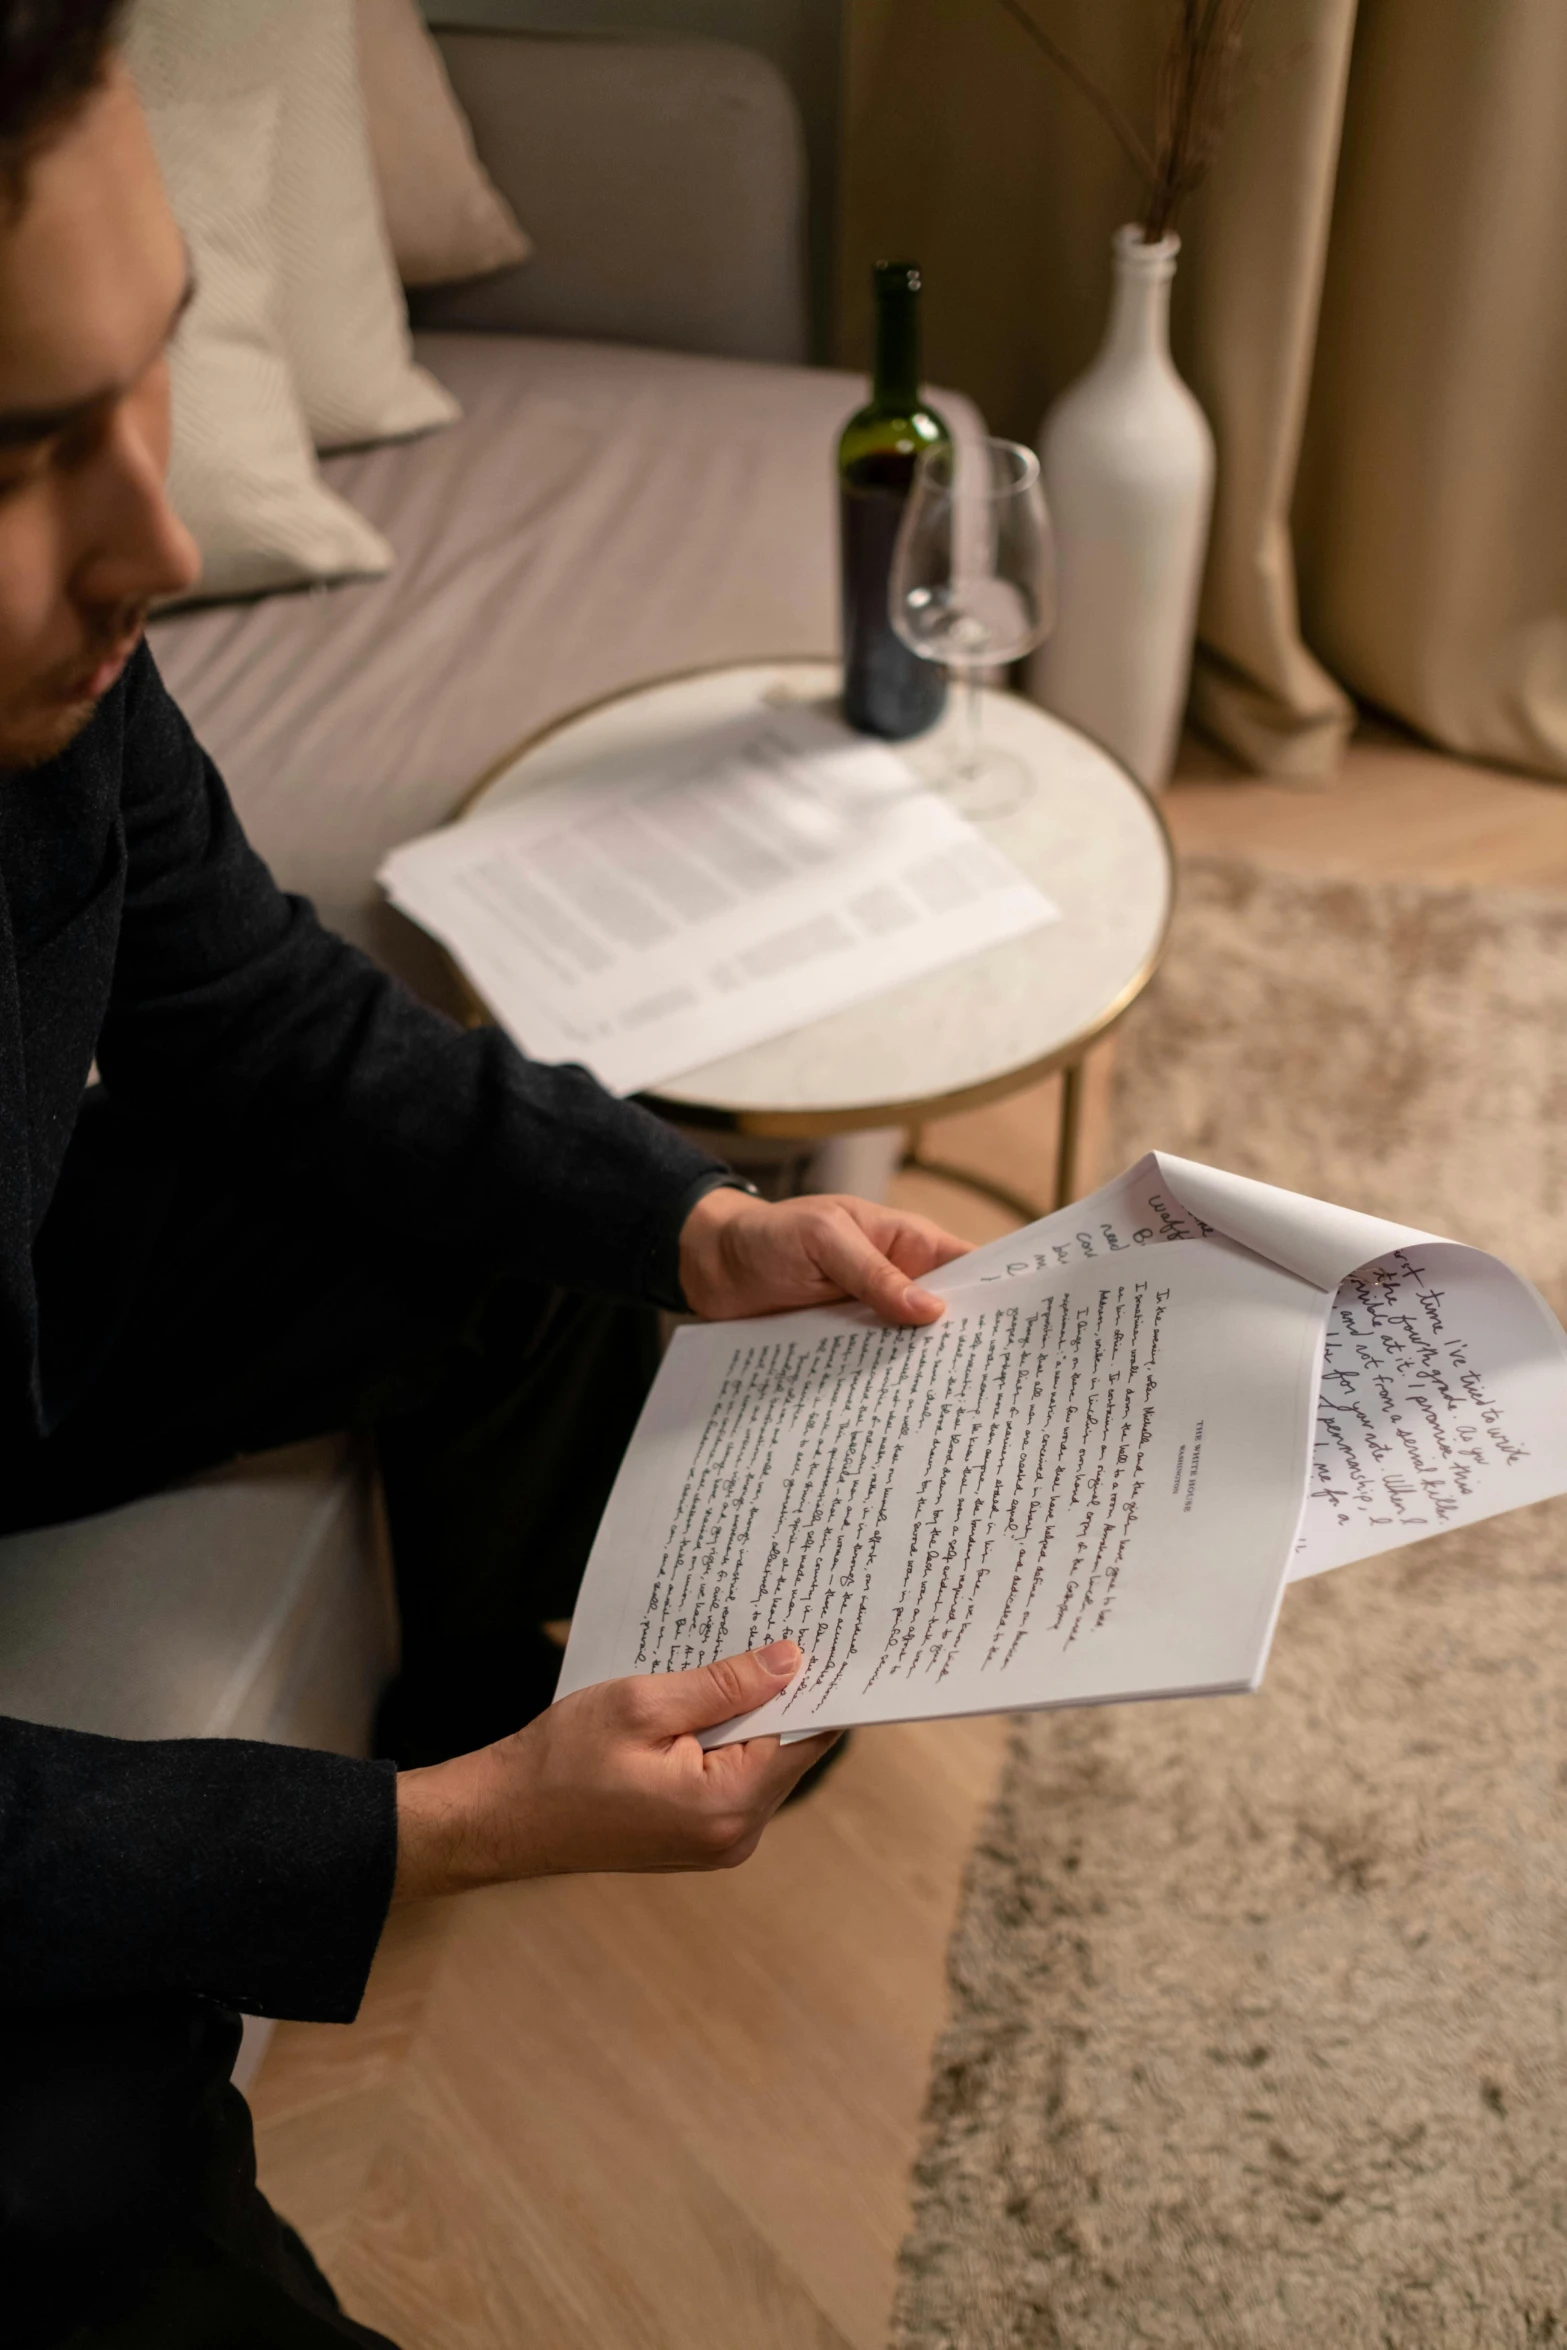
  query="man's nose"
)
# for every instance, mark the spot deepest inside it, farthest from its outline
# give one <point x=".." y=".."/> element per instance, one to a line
<point x="138" y="549"/>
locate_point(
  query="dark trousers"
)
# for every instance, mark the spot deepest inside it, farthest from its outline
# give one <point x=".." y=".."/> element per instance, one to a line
<point x="264" y="1312"/>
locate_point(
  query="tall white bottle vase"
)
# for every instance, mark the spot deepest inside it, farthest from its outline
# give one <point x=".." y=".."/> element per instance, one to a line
<point x="1127" y="458"/>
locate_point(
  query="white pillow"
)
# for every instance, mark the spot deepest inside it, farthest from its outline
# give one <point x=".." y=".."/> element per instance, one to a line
<point x="444" y="214"/>
<point x="242" y="474"/>
<point x="343" y="321"/>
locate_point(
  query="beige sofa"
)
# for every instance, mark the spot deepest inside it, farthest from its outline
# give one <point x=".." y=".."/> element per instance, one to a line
<point x="641" y="483"/>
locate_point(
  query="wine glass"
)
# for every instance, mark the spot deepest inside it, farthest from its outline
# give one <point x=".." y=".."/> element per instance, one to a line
<point x="973" y="585"/>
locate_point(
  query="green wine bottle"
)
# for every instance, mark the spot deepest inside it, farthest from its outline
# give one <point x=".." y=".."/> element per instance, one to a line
<point x="887" y="690"/>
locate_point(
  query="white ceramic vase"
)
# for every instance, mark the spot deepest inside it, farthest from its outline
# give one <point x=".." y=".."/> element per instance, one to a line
<point x="1127" y="458"/>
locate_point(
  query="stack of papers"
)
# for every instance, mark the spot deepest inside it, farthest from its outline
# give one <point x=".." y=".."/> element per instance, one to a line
<point x="1092" y="1480"/>
<point x="668" y="905"/>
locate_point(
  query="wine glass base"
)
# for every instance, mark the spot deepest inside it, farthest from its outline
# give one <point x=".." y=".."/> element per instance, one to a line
<point x="984" y="782"/>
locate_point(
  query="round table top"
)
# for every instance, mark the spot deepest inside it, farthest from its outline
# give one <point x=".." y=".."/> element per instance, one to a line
<point x="1088" y="835"/>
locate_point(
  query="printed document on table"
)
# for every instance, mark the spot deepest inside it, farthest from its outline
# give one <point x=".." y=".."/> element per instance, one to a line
<point x="1091" y="1481"/>
<point x="667" y="906"/>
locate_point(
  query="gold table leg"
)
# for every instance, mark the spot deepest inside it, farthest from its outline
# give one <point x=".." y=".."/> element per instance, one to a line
<point x="1070" y="1139"/>
<point x="1025" y="1210"/>
<point x="1066" y="1186"/>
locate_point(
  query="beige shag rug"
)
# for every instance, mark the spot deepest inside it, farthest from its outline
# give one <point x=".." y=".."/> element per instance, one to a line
<point x="1259" y="2030"/>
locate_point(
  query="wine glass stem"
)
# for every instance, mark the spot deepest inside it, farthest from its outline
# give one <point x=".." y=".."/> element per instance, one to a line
<point x="968" y="755"/>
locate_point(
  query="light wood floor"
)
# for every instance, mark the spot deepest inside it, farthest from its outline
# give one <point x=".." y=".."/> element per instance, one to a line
<point x="679" y="2114"/>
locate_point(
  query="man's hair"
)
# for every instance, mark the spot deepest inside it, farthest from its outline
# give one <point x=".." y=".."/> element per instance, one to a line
<point x="52" y="55"/>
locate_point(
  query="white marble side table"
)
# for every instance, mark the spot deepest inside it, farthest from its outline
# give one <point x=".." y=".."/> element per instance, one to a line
<point x="1089" y="835"/>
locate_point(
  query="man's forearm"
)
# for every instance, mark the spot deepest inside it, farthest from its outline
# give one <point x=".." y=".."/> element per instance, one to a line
<point x="444" y="1843"/>
<point x="234" y="1009"/>
<point x="610" y="1778"/>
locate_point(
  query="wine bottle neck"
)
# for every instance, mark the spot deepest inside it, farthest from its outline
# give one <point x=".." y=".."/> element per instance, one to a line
<point x="897" y="378"/>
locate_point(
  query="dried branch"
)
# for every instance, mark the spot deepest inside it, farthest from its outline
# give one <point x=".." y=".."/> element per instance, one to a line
<point x="1083" y="81"/>
<point x="1196" y="89"/>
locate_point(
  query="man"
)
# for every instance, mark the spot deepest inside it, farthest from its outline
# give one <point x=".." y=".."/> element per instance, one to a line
<point x="196" y="1259"/>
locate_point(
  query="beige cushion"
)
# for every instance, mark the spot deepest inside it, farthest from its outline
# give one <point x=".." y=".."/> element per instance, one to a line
<point x="663" y="184"/>
<point x="243" y="474"/>
<point x="341" y="310"/>
<point x="444" y="214"/>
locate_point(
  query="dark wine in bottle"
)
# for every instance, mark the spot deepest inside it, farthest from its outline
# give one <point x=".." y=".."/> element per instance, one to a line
<point x="887" y="690"/>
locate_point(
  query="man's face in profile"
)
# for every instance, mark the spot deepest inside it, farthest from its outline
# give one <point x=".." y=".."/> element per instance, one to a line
<point x="93" y="279"/>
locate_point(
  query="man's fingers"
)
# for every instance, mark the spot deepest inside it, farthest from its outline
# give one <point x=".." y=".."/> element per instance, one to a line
<point x="917" y="1246"/>
<point x="852" y="1261"/>
<point x="792" y="1762"/>
<point x="762" y="1772"/>
<point x="672" y="1704"/>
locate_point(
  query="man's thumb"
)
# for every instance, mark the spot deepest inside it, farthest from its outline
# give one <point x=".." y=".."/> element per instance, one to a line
<point x="709" y="1694"/>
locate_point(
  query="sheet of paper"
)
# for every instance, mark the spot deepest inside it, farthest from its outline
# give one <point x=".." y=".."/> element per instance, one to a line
<point x="1443" y="1401"/>
<point x="1081" y="1487"/>
<point x="1444" y="1390"/>
<point x="663" y="908"/>
<point x="1166" y="1198"/>
<point x="1136" y="1210"/>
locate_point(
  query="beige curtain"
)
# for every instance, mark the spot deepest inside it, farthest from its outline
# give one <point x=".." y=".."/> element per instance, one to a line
<point x="1371" y="305"/>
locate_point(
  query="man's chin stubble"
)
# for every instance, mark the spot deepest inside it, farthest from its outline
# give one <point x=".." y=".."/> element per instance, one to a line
<point x="33" y="742"/>
<point x="43" y="724"/>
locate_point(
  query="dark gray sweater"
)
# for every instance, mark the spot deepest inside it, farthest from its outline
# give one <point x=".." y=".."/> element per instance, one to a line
<point x="137" y="926"/>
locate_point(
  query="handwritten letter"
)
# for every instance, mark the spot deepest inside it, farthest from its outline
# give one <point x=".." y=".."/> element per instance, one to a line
<point x="1024" y="1500"/>
<point x="1437" y="1406"/>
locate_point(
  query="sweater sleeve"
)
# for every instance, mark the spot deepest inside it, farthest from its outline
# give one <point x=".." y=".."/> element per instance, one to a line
<point x="257" y="1875"/>
<point x="231" y="1004"/>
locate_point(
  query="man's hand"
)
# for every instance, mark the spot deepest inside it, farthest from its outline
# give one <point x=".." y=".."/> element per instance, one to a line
<point x="748" y="1256"/>
<point x="611" y="1778"/>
